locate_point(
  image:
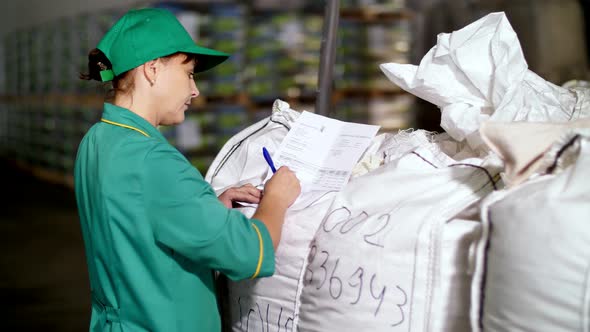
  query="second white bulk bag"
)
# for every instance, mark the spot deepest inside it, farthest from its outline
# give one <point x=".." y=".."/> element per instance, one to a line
<point x="389" y="255"/>
<point x="533" y="257"/>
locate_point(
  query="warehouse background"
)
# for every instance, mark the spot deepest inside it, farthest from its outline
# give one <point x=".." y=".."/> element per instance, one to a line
<point x="45" y="109"/>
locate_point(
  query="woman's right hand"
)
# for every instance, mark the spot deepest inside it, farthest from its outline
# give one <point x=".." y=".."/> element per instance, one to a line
<point x="282" y="188"/>
<point x="280" y="191"/>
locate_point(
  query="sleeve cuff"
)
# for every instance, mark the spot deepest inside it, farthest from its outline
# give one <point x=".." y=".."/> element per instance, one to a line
<point x="265" y="264"/>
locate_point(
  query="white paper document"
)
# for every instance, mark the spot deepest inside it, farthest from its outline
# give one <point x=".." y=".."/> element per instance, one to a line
<point x="323" y="151"/>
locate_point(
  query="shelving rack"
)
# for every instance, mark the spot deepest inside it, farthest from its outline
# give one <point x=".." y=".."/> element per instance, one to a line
<point x="45" y="110"/>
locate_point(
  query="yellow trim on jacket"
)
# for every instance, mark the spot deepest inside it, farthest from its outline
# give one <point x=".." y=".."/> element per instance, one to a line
<point x="261" y="255"/>
<point x="125" y="126"/>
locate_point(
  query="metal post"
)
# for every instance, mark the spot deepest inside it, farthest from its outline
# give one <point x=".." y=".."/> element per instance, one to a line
<point x="327" y="57"/>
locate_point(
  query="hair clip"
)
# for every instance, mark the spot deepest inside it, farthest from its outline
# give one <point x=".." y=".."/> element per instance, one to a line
<point x="105" y="73"/>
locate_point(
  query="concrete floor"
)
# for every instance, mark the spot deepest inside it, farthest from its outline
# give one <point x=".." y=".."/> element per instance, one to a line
<point x="43" y="279"/>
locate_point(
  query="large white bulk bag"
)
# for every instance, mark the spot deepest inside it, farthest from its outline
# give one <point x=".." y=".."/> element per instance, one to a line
<point x="533" y="257"/>
<point x="267" y="303"/>
<point x="478" y="73"/>
<point x="390" y="254"/>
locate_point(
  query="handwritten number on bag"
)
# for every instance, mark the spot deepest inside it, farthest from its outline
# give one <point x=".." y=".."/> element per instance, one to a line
<point x="240" y="306"/>
<point x="399" y="306"/>
<point x="340" y="215"/>
<point x="309" y="272"/>
<point x="335" y="281"/>
<point x="343" y="217"/>
<point x="323" y="266"/>
<point x="287" y="324"/>
<point x="360" y="272"/>
<point x="260" y="314"/>
<point x="380" y="296"/>
<point x="267" y="310"/>
<point x="385" y="217"/>
<point x="336" y="287"/>
<point x="353" y="222"/>
<point x="248" y="318"/>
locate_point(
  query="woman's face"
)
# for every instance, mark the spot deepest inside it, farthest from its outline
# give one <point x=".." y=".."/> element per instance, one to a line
<point x="174" y="89"/>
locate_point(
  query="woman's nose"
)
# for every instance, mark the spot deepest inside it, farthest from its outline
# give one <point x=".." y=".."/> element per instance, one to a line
<point x="194" y="89"/>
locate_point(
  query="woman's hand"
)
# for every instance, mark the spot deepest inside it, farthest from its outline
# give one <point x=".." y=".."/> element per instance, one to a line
<point x="246" y="193"/>
<point x="282" y="188"/>
<point x="280" y="191"/>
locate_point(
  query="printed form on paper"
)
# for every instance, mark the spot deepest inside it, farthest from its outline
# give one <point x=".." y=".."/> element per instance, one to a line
<point x="323" y="151"/>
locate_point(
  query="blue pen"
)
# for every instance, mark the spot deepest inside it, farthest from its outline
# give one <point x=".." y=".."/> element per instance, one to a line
<point x="268" y="159"/>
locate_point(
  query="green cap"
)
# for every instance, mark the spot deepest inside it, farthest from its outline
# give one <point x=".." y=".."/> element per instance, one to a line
<point x="146" y="34"/>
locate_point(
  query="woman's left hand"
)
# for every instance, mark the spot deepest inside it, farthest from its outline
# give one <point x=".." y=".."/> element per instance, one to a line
<point x="246" y="193"/>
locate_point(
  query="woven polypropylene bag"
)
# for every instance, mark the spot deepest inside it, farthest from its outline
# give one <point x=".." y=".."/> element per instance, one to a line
<point x="533" y="258"/>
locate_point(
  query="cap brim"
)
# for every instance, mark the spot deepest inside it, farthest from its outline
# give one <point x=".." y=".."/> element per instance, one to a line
<point x="207" y="58"/>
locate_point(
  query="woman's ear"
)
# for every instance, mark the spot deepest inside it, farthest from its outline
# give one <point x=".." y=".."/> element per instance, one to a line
<point x="150" y="71"/>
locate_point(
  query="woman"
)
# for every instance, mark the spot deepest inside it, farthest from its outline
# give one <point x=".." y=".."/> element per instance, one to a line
<point x="154" y="230"/>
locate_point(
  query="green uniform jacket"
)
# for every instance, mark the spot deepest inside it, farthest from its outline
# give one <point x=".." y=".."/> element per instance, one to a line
<point x="154" y="231"/>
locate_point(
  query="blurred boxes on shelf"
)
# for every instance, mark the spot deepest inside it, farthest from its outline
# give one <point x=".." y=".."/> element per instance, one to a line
<point x="275" y="54"/>
<point x="392" y="113"/>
